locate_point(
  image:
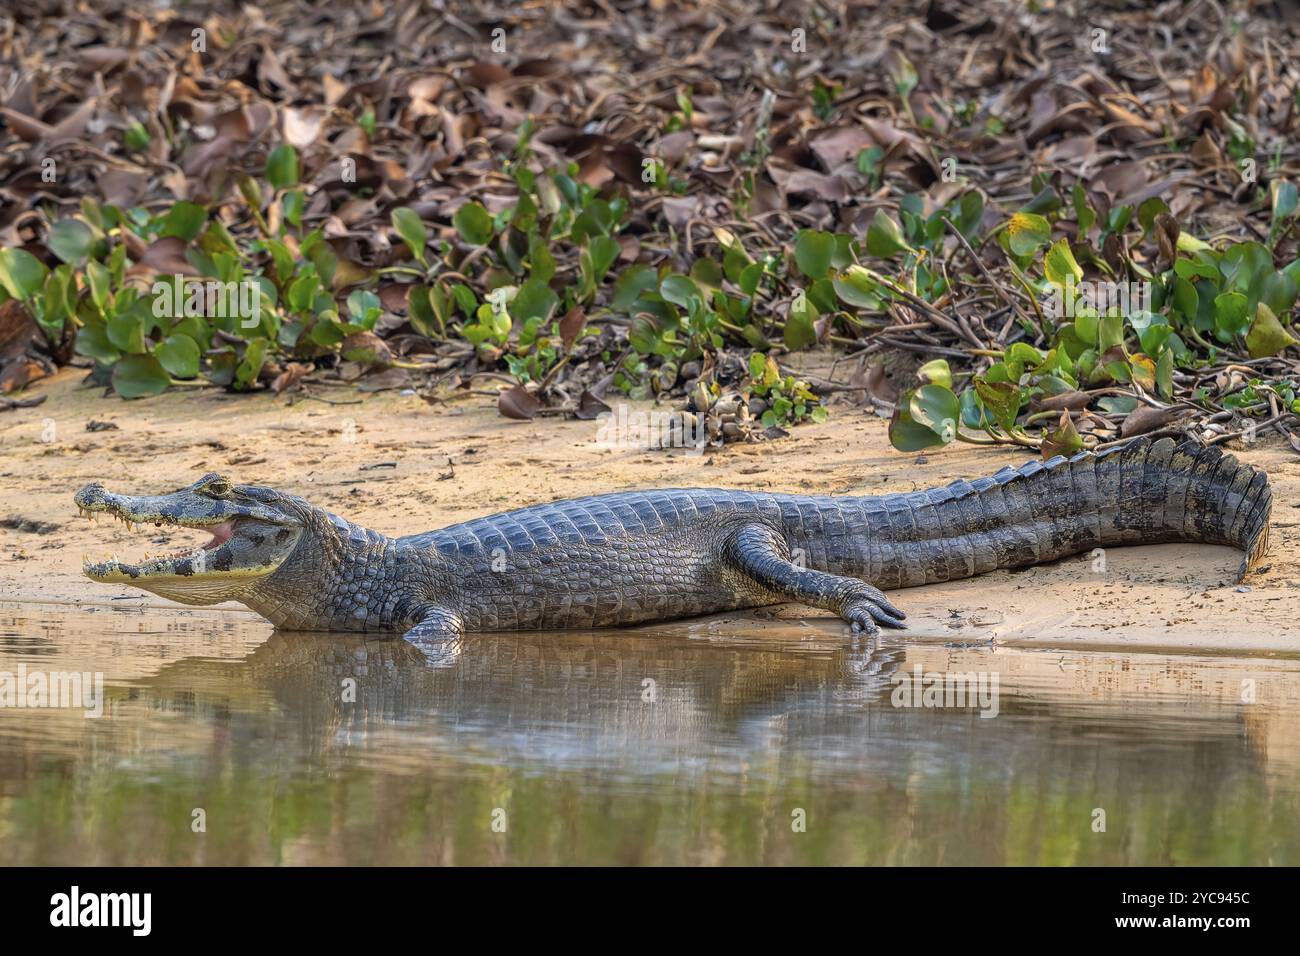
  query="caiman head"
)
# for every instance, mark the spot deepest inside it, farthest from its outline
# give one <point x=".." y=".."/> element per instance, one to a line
<point x="253" y="531"/>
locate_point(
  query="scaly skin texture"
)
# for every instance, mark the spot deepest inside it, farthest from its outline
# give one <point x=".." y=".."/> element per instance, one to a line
<point x="632" y="557"/>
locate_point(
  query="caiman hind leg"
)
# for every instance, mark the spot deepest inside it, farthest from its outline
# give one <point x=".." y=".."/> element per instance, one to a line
<point x="436" y="634"/>
<point x="763" y="556"/>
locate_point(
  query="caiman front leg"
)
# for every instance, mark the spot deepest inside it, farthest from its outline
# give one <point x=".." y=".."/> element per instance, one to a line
<point x="437" y="634"/>
<point x="764" y="557"/>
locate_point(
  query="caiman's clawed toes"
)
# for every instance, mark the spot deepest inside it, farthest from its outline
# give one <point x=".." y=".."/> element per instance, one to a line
<point x="868" y="608"/>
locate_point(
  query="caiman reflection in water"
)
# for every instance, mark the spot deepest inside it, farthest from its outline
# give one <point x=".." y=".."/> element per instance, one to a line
<point x="656" y="746"/>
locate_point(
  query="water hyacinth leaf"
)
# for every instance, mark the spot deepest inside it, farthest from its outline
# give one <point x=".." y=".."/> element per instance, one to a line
<point x="21" y="273"/>
<point x="598" y="256"/>
<point x="1087" y="327"/>
<point x="1196" y="269"/>
<point x="1060" y="266"/>
<point x="465" y="298"/>
<point x="541" y="263"/>
<point x="1155" y="335"/>
<point x="764" y="370"/>
<point x="473" y="223"/>
<point x="1046" y="200"/>
<point x="679" y="290"/>
<point x="294" y="203"/>
<point x="282" y="167"/>
<point x="1084" y="214"/>
<point x="1026" y="232"/>
<point x="1186" y="299"/>
<point x="57" y="301"/>
<point x="937" y="408"/>
<point x="936" y="372"/>
<point x="973" y="414"/>
<point x="535" y="300"/>
<point x="1118" y="218"/>
<point x="822" y="295"/>
<point x="410" y="227"/>
<point x="1110" y="333"/>
<point x="1231" y="315"/>
<point x="970" y="213"/>
<point x="1267" y="337"/>
<point x="138" y="376"/>
<point x="629" y="285"/>
<point x="857" y="288"/>
<point x="1018" y="357"/>
<point x="71" y="240"/>
<point x="196" y="328"/>
<point x="92" y="340"/>
<point x="1001" y="400"/>
<point x="905" y="434"/>
<point x="136" y="138"/>
<point x="571" y="326"/>
<point x="364" y="307"/>
<point x="366" y="348"/>
<point x="126" y="331"/>
<point x="1277" y="290"/>
<point x="755" y="337"/>
<point x="800" y="330"/>
<point x="868" y="162"/>
<point x="813" y="252"/>
<point x="179" y="355"/>
<point x="1119" y="371"/>
<point x="1190" y="244"/>
<point x="750" y="277"/>
<point x="734" y="257"/>
<point x="1165" y="374"/>
<point x="998" y="372"/>
<point x="1143" y="371"/>
<point x="644" y="336"/>
<point x="424" y="317"/>
<point x="1242" y="263"/>
<point x="1283" y="198"/>
<point x="251" y="365"/>
<point x="518" y="403"/>
<point x="884" y="238"/>
<point x="184" y="220"/>
<point x="326" y="262"/>
<point x="1148" y="211"/>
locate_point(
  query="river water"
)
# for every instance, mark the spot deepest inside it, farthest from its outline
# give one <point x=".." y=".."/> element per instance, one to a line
<point x="728" y="741"/>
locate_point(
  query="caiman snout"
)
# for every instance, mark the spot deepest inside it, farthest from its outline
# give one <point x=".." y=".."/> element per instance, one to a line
<point x="95" y="497"/>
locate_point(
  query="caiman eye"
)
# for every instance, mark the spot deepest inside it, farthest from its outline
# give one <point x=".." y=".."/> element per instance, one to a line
<point x="217" y="487"/>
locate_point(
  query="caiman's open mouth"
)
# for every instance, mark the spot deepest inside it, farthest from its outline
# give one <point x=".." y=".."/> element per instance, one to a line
<point x="250" y="537"/>
<point x="115" y="569"/>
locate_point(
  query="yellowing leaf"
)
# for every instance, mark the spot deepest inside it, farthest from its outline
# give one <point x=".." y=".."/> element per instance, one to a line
<point x="1267" y="336"/>
<point x="1060" y="266"/>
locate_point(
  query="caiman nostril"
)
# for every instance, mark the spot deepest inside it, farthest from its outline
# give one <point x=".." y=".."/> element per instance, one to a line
<point x="89" y="494"/>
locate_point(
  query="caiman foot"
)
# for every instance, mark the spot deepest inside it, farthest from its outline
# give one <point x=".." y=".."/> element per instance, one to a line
<point x="870" y="608"/>
<point x="437" y="635"/>
<point x="764" y="557"/>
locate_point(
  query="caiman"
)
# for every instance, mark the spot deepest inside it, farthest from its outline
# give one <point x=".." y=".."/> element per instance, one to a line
<point x="637" y="556"/>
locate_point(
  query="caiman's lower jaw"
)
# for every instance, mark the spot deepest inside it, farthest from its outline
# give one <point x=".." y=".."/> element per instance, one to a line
<point x="235" y="557"/>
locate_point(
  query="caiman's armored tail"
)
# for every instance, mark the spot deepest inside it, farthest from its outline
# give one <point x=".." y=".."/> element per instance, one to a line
<point x="1144" y="492"/>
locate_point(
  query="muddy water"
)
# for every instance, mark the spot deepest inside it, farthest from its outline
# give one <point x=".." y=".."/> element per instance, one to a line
<point x="736" y="740"/>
